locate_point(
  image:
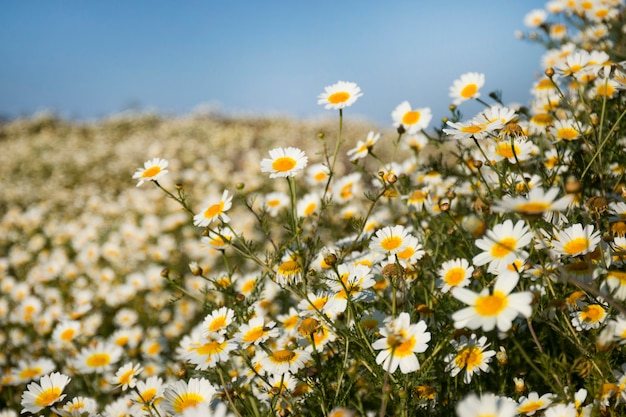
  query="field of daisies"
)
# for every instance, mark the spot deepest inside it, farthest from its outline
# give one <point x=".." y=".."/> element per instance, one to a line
<point x="218" y="266"/>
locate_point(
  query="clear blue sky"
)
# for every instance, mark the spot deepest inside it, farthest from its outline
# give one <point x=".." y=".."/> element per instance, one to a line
<point x="90" y="59"/>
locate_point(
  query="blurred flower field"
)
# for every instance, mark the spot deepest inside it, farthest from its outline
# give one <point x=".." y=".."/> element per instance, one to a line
<point x="220" y="266"/>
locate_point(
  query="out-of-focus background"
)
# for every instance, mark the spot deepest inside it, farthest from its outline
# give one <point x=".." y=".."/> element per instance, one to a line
<point x="89" y="60"/>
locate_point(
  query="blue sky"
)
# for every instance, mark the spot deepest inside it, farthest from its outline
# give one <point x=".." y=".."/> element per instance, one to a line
<point x="88" y="59"/>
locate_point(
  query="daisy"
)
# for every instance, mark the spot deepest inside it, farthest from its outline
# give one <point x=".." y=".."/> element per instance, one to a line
<point x="217" y="321"/>
<point x="487" y="404"/>
<point x="565" y="130"/>
<point x="256" y="331"/>
<point x="488" y="310"/>
<point x="603" y="87"/>
<point x="535" y="203"/>
<point x="149" y="391"/>
<point x="97" y="358"/>
<point x="533" y="403"/>
<point x="217" y="239"/>
<point x="274" y="202"/>
<point x="45" y="393"/>
<point x="214" y="211"/>
<point x="535" y="18"/>
<point x="466" y="87"/>
<point x="152" y="170"/>
<point x="308" y="204"/>
<point x="500" y="113"/>
<point x="78" y="406"/>
<point x="317" y="340"/>
<point x="390" y="240"/>
<point x="417" y="199"/>
<point x="513" y="151"/>
<point x="615" y="284"/>
<point x="317" y="174"/>
<point x="32" y="369"/>
<point x="345" y="188"/>
<point x="353" y="283"/>
<point x="470" y="356"/>
<point x="413" y="252"/>
<point x="313" y="303"/>
<point x="590" y="316"/>
<point x="289" y="272"/>
<point x="400" y="342"/>
<point x="339" y="95"/>
<point x="475" y="128"/>
<point x="279" y="362"/>
<point x="363" y="148"/>
<point x="181" y="395"/>
<point x="454" y="273"/>
<point x="125" y="376"/>
<point x="576" y="240"/>
<point x="284" y="162"/>
<point x="209" y="350"/>
<point x="412" y="120"/>
<point x="501" y="243"/>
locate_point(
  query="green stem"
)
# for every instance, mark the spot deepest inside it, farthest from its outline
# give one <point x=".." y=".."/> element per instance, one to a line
<point x="606" y="139"/>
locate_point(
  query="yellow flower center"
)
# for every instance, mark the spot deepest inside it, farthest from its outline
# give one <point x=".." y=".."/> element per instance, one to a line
<point x="503" y="248"/>
<point x="210" y="348"/>
<point x="253" y="334"/>
<point x="605" y="90"/>
<point x="391" y="243"/>
<point x="48" y="396"/>
<point x="533" y="207"/>
<point x="283" y="164"/>
<point x="273" y="203"/>
<point x="472" y="128"/>
<point x="407" y="253"/>
<point x="67" y="334"/>
<point x="217" y="323"/>
<point x="248" y="286"/>
<point x="567" y="133"/>
<point x="469" y="90"/>
<point x="186" y="400"/>
<point x="214" y="210"/>
<point x="148" y="394"/>
<point x="126" y="377"/>
<point x="491" y="305"/>
<point x="281" y="356"/>
<point x="30" y="373"/>
<point x="454" y="276"/>
<point x="418" y="196"/>
<point x="77" y="406"/>
<point x="411" y="117"/>
<point x="339" y="97"/>
<point x="151" y="172"/>
<point x="620" y="276"/>
<point x="98" y="360"/>
<point x="310" y="209"/>
<point x="575" y="246"/>
<point x="320" y="176"/>
<point x="542" y="119"/>
<point x="530" y="406"/>
<point x="470" y="357"/>
<point x="405" y="348"/>
<point x="289" y="268"/>
<point x="290" y="322"/>
<point x="506" y="150"/>
<point x="592" y="313"/>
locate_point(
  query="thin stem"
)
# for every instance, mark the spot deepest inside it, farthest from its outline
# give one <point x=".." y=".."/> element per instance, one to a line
<point x="606" y="139"/>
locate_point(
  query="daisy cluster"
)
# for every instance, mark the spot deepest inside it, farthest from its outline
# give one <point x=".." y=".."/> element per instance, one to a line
<point x="473" y="268"/>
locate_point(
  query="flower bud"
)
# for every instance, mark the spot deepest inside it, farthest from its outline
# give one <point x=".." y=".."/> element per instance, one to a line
<point x="195" y="268"/>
